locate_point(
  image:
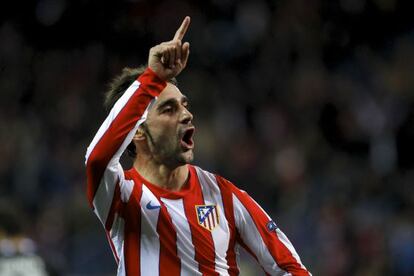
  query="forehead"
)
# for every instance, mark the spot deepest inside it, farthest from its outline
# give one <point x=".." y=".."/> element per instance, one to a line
<point x="170" y="92"/>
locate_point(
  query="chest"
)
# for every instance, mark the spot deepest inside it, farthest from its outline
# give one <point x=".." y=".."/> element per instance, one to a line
<point x="195" y="220"/>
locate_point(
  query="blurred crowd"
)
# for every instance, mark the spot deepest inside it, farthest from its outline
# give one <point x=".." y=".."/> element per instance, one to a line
<point x="308" y="105"/>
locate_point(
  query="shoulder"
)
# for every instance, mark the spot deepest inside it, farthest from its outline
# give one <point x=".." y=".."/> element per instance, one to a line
<point x="208" y="178"/>
<point x="129" y="174"/>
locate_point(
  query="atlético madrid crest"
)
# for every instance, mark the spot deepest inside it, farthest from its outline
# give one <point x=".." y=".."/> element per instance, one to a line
<point x="207" y="216"/>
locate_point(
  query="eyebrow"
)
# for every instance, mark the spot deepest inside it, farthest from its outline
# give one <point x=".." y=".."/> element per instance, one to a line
<point x="171" y="101"/>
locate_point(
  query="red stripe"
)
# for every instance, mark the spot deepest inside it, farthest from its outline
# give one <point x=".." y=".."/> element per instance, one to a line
<point x="280" y="253"/>
<point x="201" y="237"/>
<point x="244" y="245"/>
<point x="227" y="199"/>
<point x="170" y="263"/>
<point x="132" y="242"/>
<point x="115" y="135"/>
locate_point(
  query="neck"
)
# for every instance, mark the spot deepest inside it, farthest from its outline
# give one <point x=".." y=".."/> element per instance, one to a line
<point x="161" y="175"/>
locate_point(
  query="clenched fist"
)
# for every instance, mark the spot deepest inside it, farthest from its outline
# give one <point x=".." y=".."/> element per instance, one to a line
<point x="169" y="58"/>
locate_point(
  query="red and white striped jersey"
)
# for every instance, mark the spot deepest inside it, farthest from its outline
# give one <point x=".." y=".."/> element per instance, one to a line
<point x="195" y="231"/>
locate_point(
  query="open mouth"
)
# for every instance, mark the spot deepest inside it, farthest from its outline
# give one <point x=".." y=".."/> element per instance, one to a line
<point x="187" y="139"/>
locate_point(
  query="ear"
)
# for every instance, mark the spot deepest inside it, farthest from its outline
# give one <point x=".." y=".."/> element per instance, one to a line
<point x="139" y="135"/>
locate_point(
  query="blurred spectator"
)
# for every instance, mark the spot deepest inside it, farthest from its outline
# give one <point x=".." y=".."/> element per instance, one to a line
<point x="17" y="251"/>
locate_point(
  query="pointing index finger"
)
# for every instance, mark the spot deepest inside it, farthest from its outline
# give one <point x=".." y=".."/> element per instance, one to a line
<point x="179" y="34"/>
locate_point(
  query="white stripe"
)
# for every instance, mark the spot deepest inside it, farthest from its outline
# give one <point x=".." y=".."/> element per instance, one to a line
<point x="105" y="193"/>
<point x="126" y="189"/>
<point x="284" y="239"/>
<point x="121" y="266"/>
<point x="150" y="241"/>
<point x="114" y="171"/>
<point x="185" y="247"/>
<point x="128" y="138"/>
<point x="117" y="234"/>
<point x="112" y="115"/>
<point x="252" y="238"/>
<point x="221" y="233"/>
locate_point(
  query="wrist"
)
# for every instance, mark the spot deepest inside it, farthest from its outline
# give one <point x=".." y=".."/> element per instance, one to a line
<point x="151" y="82"/>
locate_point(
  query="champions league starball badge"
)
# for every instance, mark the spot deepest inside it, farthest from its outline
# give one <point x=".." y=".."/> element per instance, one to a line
<point x="271" y="226"/>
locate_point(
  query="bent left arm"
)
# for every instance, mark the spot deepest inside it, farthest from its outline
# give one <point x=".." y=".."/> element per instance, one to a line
<point x="263" y="239"/>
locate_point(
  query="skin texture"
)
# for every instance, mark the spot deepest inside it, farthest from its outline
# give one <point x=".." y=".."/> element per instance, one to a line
<point x="169" y="58"/>
<point x="162" y="153"/>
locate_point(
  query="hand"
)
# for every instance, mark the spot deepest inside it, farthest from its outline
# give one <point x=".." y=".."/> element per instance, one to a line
<point x="169" y="58"/>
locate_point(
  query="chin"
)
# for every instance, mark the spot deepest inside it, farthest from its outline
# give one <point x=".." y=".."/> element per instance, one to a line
<point x="187" y="157"/>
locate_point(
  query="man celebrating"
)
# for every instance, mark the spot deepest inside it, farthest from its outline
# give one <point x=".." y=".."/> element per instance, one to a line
<point x="165" y="216"/>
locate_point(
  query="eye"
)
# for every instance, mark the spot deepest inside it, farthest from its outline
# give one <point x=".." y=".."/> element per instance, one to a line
<point x="187" y="105"/>
<point x="168" y="109"/>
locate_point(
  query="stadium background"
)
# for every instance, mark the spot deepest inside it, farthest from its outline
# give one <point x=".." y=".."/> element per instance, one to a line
<point x="306" y="104"/>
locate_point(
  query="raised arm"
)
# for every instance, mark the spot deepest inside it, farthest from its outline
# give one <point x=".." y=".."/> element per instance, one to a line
<point x="104" y="173"/>
<point x="169" y="58"/>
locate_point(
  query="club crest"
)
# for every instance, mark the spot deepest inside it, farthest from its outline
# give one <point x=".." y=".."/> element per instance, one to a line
<point x="207" y="216"/>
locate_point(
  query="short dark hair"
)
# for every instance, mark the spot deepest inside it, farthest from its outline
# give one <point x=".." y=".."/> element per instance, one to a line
<point x="117" y="88"/>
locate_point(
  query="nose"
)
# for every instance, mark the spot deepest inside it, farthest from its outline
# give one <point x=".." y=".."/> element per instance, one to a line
<point x="186" y="116"/>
